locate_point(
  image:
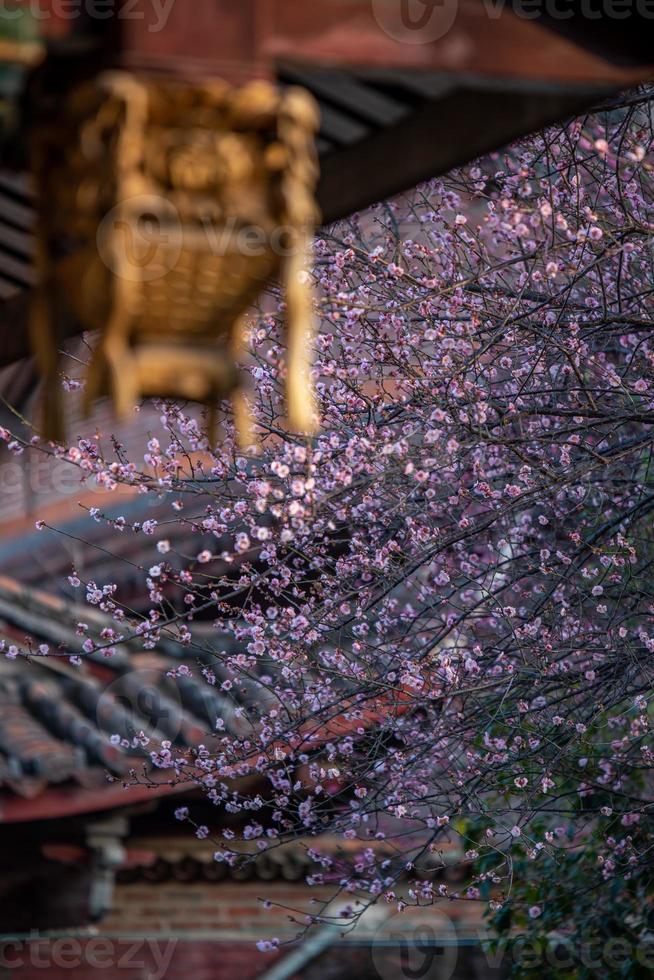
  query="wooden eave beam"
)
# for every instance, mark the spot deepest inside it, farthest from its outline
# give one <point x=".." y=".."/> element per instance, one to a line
<point x="433" y="139"/>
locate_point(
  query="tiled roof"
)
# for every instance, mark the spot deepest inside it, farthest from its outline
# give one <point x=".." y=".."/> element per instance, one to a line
<point x="57" y="720"/>
<point x="184" y="859"/>
<point x="70" y="735"/>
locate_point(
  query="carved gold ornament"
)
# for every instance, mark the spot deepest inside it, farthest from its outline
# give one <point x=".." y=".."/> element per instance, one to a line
<point x="165" y="210"/>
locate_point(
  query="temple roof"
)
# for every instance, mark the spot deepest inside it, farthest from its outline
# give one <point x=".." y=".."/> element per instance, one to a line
<point x="77" y="729"/>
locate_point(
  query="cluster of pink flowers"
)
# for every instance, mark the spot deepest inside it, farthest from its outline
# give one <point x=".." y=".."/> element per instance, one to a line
<point x="458" y="567"/>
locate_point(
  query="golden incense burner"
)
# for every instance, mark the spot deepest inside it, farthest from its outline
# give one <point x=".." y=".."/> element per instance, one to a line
<point x="165" y="210"/>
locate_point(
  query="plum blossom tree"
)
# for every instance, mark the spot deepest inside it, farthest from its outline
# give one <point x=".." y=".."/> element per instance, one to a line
<point x="443" y="603"/>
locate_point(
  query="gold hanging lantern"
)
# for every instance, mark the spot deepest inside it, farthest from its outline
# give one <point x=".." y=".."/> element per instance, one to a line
<point x="165" y="210"/>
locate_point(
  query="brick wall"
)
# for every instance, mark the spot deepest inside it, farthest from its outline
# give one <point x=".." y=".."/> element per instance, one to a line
<point x="208" y="931"/>
<point x="230" y="910"/>
<point x="178" y="959"/>
<point x="133" y="959"/>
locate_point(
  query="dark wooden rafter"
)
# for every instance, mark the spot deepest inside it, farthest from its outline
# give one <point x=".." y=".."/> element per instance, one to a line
<point x="418" y="146"/>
